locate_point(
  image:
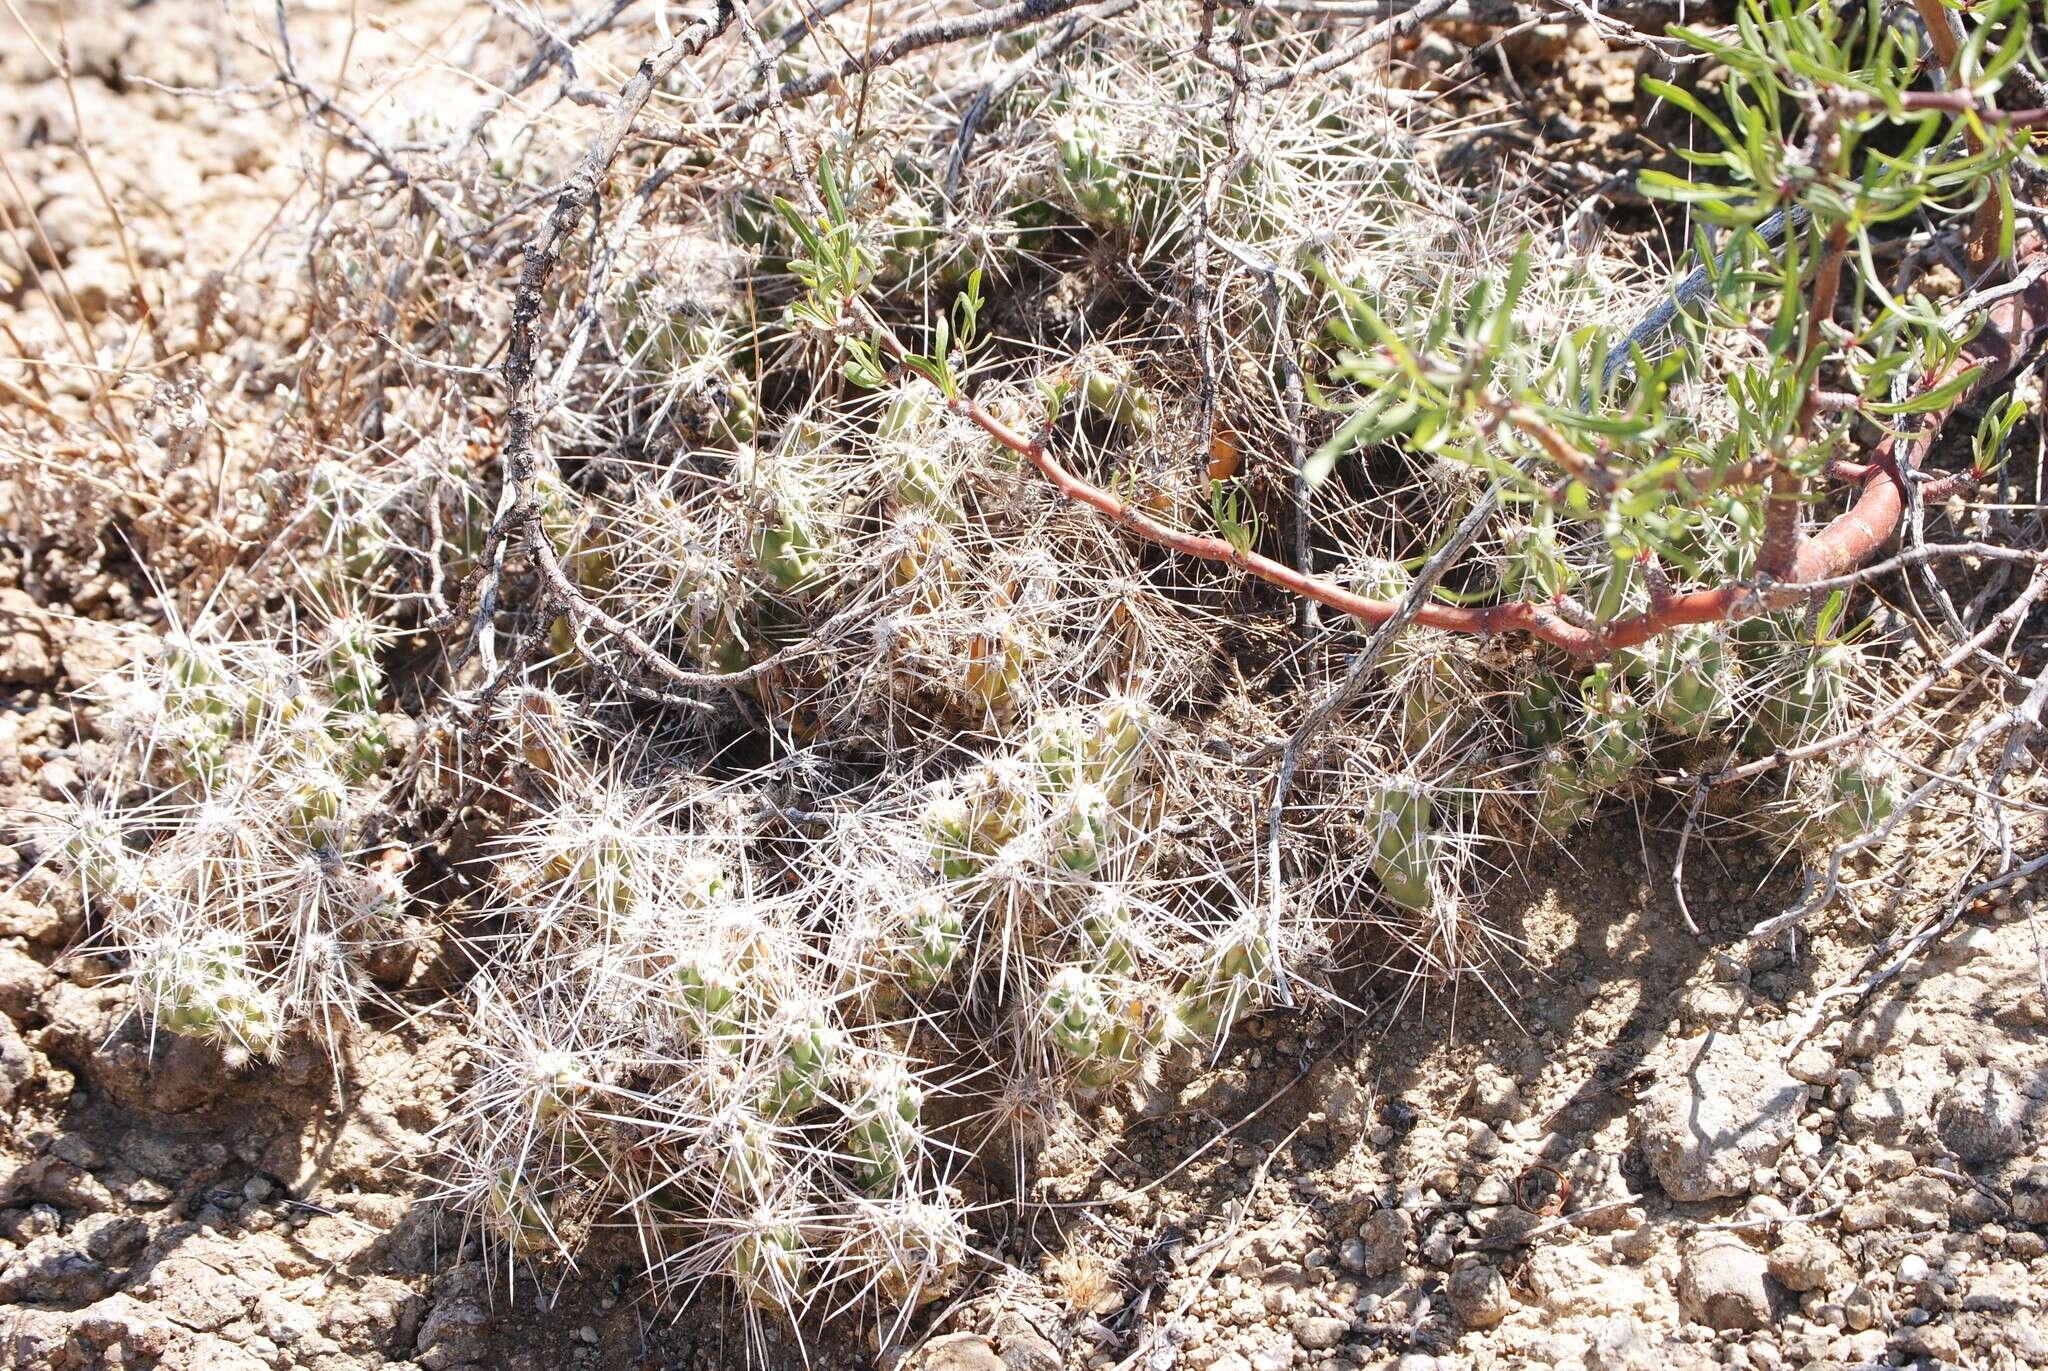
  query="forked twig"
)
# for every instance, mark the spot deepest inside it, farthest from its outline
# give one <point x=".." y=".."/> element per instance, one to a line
<point x="517" y="512"/>
<point x="936" y="34"/>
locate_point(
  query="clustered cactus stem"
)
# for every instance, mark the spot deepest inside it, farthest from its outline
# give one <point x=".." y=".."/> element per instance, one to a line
<point x="819" y="741"/>
<point x="210" y="990"/>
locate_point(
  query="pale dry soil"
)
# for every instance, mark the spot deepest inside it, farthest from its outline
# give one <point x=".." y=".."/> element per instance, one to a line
<point x="1368" y="1186"/>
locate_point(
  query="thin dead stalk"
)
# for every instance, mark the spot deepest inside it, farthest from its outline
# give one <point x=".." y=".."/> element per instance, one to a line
<point x="517" y="512"/>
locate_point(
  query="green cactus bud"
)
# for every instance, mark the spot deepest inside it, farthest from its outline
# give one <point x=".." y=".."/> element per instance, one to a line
<point x="1543" y="712"/>
<point x="1863" y="796"/>
<point x="1432" y="700"/>
<point x="1379" y="578"/>
<point x="1086" y="167"/>
<point x="557" y="1086"/>
<point x="1055" y="748"/>
<point x="198" y="748"/>
<point x="933" y="926"/>
<point x="1115" y="748"/>
<point x="1203" y="1010"/>
<point x="1399" y="815"/>
<point x="949" y="824"/>
<point x="1075" y="1016"/>
<point x="1110" y="933"/>
<point x="515" y="1211"/>
<point x="1801" y="693"/>
<point x="1006" y="801"/>
<point x="706" y="615"/>
<point x="1614" y="735"/>
<point x="1245" y="957"/>
<point x="884" y="1127"/>
<point x="791" y="550"/>
<point x="710" y="998"/>
<point x="736" y="412"/>
<point x="705" y="884"/>
<point x="314" y="804"/>
<point x="1615" y="744"/>
<point x="196" y="676"/>
<point x="792" y="524"/>
<point x="580" y="544"/>
<point x="914" y="1248"/>
<point x="281" y="697"/>
<point x="769" y="1262"/>
<point x="1693" y="679"/>
<point x="603" y="870"/>
<point x="806" y="1046"/>
<point x="354" y="678"/>
<point x="96" y="852"/>
<point x="1563" y="799"/>
<point x="927" y="559"/>
<point x="997" y="657"/>
<point x="746" y="1162"/>
<point x="1082" y="838"/>
<point x="208" y="989"/>
<point x="1108" y="391"/>
<point x="352" y="528"/>
<point x="199" y="680"/>
<point x="1212" y="999"/>
<point x="921" y="479"/>
<point x="1137" y="1027"/>
<point x="310" y="734"/>
<point x="364" y="744"/>
<point x="868" y="965"/>
<point x="1108" y="1030"/>
<point x="910" y="408"/>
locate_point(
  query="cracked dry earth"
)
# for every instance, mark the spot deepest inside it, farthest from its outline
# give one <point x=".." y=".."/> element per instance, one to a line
<point x="1629" y="1159"/>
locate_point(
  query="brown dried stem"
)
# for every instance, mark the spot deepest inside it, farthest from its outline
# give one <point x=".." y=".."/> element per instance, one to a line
<point x="516" y="509"/>
<point x="1014" y="16"/>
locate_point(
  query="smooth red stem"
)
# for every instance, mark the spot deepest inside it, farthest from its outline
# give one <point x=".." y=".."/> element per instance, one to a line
<point x="1841" y="547"/>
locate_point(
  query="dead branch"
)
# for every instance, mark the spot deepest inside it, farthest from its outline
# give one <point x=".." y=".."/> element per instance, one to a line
<point x="936" y="34"/>
<point x="516" y="511"/>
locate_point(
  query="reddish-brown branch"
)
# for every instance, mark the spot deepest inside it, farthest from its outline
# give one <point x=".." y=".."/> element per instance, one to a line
<point x="1827" y="285"/>
<point x="2010" y="326"/>
<point x="1785" y="503"/>
<point x="1525" y="618"/>
<point x="1934" y="17"/>
<point x="1843" y="545"/>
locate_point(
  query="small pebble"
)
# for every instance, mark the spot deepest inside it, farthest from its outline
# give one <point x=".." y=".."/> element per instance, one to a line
<point x="1973" y="943"/>
<point x="1319" y="1332"/>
